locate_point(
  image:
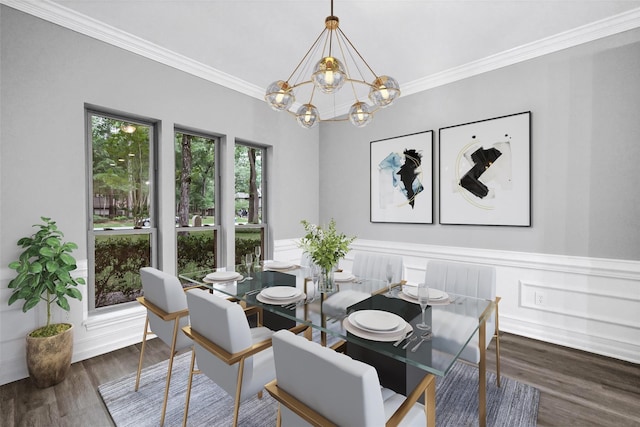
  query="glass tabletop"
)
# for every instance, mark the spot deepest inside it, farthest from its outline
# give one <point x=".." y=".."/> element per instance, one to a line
<point x="453" y="322"/>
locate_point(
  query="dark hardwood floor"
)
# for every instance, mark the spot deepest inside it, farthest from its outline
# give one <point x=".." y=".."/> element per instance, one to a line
<point x="577" y="388"/>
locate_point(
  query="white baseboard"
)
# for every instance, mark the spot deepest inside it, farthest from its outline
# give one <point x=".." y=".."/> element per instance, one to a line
<point x="16" y="368"/>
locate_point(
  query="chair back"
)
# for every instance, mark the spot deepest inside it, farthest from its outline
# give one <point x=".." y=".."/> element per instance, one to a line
<point x="374" y="266"/>
<point x="224" y="324"/>
<point x="165" y="292"/>
<point x="474" y="280"/>
<point x="344" y="390"/>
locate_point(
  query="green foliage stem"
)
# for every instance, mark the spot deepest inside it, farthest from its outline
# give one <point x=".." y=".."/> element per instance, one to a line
<point x="325" y="246"/>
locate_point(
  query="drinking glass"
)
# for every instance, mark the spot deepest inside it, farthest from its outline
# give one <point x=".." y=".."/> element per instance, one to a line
<point x="423" y="300"/>
<point x="258" y="251"/>
<point x="389" y="275"/>
<point x="315" y="277"/>
<point x="248" y="263"/>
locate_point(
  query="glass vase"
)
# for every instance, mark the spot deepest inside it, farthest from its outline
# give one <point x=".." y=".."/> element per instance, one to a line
<point x="326" y="284"/>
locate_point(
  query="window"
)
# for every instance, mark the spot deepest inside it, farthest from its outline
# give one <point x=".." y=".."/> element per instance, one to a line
<point x="197" y="229"/>
<point x="249" y="201"/>
<point x="122" y="234"/>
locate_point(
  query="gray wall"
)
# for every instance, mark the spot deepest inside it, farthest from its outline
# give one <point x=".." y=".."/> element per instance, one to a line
<point x="585" y="104"/>
<point x="47" y="76"/>
<point x="48" y="73"/>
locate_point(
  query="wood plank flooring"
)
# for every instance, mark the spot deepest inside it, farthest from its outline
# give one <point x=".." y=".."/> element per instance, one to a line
<point x="577" y="388"/>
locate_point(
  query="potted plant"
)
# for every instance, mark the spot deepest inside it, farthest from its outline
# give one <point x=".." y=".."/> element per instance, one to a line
<point x="325" y="247"/>
<point x="44" y="269"/>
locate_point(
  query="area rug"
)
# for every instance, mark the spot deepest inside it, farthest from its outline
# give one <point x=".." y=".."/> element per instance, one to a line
<point x="513" y="404"/>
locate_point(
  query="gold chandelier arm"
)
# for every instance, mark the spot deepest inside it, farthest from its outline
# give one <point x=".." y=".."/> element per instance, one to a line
<point x="348" y="79"/>
<point x="307" y="54"/>
<point x="358" y="53"/>
<point x="313" y="92"/>
<point x="346" y="65"/>
<point x="361" y="82"/>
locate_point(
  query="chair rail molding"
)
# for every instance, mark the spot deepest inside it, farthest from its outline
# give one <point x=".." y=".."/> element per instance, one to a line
<point x="589" y="304"/>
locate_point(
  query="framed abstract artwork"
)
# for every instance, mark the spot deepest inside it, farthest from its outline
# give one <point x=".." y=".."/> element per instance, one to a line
<point x="485" y="172"/>
<point x="402" y="179"/>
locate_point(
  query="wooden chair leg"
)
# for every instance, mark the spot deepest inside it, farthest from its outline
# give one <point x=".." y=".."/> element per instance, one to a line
<point x="186" y="405"/>
<point x="278" y="418"/>
<point x="430" y="403"/>
<point x="497" y="335"/>
<point x="144" y="341"/>
<point x="176" y="327"/>
<point x="236" y="408"/>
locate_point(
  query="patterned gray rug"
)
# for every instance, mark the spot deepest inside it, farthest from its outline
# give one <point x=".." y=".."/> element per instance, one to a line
<point x="513" y="404"/>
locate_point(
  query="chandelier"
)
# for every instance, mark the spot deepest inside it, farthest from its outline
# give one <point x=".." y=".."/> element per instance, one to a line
<point x="340" y="65"/>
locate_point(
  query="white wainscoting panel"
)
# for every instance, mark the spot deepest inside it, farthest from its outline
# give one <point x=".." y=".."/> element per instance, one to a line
<point x="589" y="304"/>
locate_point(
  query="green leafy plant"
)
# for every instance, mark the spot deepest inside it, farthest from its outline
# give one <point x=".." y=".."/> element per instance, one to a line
<point x="325" y="246"/>
<point x="118" y="260"/>
<point x="44" y="269"/>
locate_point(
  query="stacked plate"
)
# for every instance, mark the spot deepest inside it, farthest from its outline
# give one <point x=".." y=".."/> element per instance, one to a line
<point x="343" y="276"/>
<point x="222" y="276"/>
<point x="278" y="265"/>
<point x="280" y="295"/>
<point x="376" y="325"/>
<point x="436" y="296"/>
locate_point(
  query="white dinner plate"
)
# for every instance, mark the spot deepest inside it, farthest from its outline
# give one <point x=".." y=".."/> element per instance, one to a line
<point x="411" y="291"/>
<point x="407" y="296"/>
<point x="266" y="300"/>
<point x="223" y="276"/>
<point x="281" y="292"/>
<point x="377" y="321"/>
<point x="434" y="294"/>
<point x="278" y="265"/>
<point x="343" y="276"/>
<point x="376" y="336"/>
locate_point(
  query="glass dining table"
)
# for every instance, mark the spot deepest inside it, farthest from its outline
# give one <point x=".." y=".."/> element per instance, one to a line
<point x="401" y="362"/>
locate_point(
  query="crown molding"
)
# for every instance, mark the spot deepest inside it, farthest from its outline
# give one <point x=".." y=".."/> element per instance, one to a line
<point x="68" y="18"/>
<point x="587" y="33"/>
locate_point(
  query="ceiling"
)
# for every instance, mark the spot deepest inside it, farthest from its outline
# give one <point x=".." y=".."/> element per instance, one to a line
<point x="247" y="44"/>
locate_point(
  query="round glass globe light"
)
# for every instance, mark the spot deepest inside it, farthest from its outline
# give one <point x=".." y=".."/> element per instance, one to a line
<point x="384" y="91"/>
<point x="279" y="96"/>
<point x="307" y="116"/>
<point x="329" y="75"/>
<point x="360" y="114"/>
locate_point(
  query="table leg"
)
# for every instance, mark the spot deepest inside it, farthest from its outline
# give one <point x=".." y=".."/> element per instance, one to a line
<point x="482" y="380"/>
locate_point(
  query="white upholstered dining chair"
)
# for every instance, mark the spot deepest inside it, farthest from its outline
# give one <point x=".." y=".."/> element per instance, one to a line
<point x="366" y="265"/>
<point x="474" y="280"/>
<point x="167" y="312"/>
<point x="338" y="390"/>
<point x="236" y="357"/>
<point x="374" y="266"/>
